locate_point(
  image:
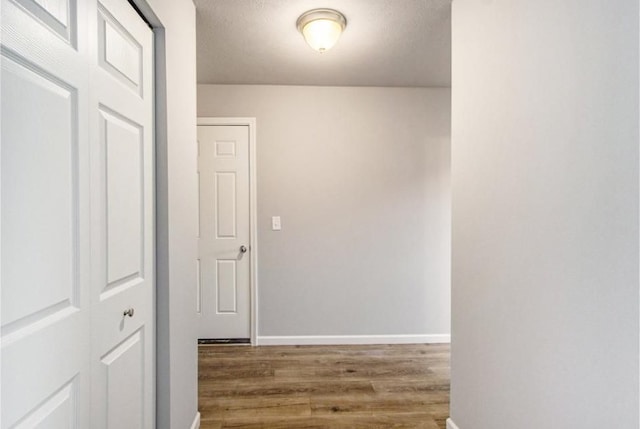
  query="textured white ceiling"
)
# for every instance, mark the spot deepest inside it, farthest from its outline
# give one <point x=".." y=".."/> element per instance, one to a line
<point x="386" y="43"/>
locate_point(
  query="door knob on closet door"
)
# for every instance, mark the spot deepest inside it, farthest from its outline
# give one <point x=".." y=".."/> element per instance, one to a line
<point x="129" y="312"/>
<point x="243" y="249"/>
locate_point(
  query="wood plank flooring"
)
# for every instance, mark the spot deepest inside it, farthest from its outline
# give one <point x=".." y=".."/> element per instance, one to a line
<point x="305" y="387"/>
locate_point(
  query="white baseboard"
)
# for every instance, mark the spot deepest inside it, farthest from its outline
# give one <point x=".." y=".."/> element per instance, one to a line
<point x="451" y="424"/>
<point x="196" y="422"/>
<point x="299" y="340"/>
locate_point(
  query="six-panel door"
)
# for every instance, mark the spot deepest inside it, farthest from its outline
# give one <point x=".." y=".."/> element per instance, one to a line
<point x="224" y="266"/>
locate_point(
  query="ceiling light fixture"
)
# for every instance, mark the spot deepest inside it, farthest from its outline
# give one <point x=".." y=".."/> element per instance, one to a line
<point x="321" y="28"/>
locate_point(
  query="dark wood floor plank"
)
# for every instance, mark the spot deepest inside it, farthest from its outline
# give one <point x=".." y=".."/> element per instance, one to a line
<point x="306" y="387"/>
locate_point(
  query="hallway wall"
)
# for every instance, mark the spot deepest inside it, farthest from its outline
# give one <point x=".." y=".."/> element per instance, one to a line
<point x="545" y="214"/>
<point x="176" y="212"/>
<point x="360" y="178"/>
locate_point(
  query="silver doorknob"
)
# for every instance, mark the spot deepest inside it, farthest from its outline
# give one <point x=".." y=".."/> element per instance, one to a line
<point x="129" y="312"/>
<point x="243" y="249"/>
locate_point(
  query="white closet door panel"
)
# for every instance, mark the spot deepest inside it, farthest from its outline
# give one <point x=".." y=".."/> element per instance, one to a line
<point x="44" y="234"/>
<point x="57" y="9"/>
<point x="58" y="16"/>
<point x="53" y="359"/>
<point x="123" y="375"/>
<point x="121" y="52"/>
<point x="57" y="411"/>
<point x="123" y="141"/>
<point x="122" y="219"/>
<point x="40" y="225"/>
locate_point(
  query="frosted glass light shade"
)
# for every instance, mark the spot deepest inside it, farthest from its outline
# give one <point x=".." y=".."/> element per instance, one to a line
<point x="321" y="28"/>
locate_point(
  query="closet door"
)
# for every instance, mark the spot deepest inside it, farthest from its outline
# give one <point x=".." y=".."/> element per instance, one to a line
<point x="76" y="219"/>
<point x="44" y="193"/>
<point x="122" y="221"/>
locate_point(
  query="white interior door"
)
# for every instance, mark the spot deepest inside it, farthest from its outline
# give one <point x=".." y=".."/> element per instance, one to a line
<point x="224" y="245"/>
<point x="76" y="215"/>
<point x="122" y="219"/>
<point x="45" y="216"/>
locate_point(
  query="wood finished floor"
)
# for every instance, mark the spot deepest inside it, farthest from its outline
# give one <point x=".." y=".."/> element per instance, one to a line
<point x="304" y="387"/>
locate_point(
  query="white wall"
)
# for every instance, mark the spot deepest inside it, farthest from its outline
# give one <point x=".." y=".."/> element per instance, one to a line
<point x="545" y="214"/>
<point x="177" y="364"/>
<point x="360" y="177"/>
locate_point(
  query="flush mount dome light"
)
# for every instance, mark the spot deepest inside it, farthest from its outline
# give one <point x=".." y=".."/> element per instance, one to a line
<point x="321" y="28"/>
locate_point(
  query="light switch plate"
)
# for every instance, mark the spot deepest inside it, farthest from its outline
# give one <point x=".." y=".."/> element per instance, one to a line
<point x="276" y="225"/>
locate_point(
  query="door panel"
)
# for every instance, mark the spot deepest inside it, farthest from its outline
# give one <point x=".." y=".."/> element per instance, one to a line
<point x="119" y="52"/>
<point x="226" y="286"/>
<point x="122" y="219"/>
<point x="59" y="16"/>
<point x="224" y="271"/>
<point x="40" y="225"/>
<point x="123" y="141"/>
<point x="124" y="378"/>
<point x="57" y="411"/>
<point x="225" y="202"/>
<point x="44" y="220"/>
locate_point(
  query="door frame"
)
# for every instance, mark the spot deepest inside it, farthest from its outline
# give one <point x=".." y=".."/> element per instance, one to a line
<point x="253" y="229"/>
<point x="160" y="316"/>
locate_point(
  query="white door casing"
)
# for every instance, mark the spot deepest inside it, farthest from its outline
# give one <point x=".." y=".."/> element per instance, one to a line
<point x="77" y="215"/>
<point x="226" y="286"/>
